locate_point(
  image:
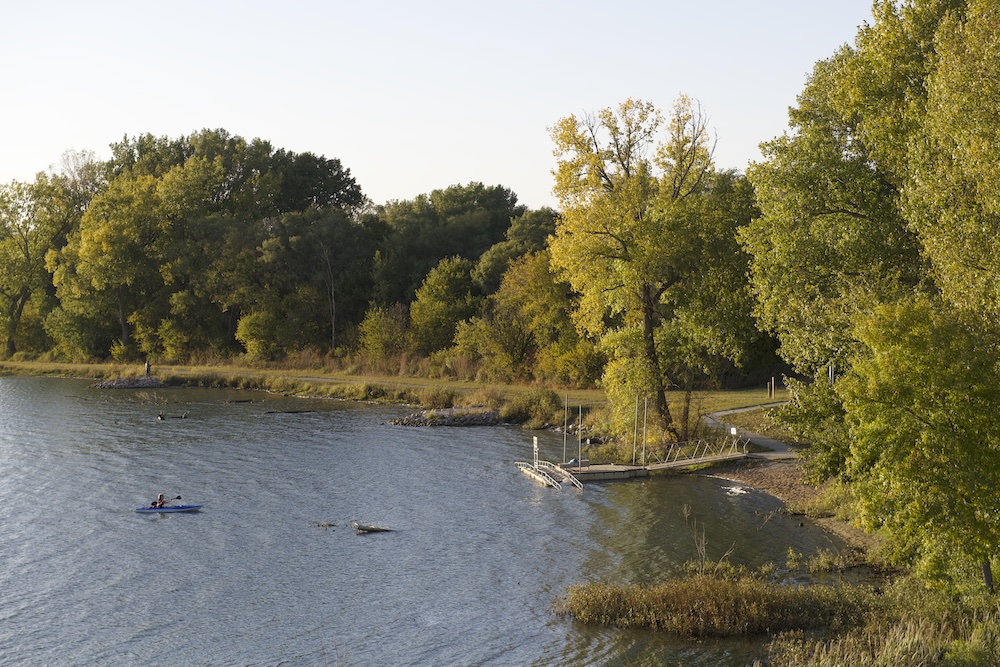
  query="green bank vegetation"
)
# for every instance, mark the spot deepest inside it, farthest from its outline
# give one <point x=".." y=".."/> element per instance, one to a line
<point x="902" y="625"/>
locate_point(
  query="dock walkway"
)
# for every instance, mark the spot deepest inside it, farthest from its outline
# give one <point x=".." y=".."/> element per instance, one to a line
<point x="679" y="455"/>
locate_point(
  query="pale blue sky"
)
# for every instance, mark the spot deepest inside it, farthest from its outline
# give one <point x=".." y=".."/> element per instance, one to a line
<point x="410" y="96"/>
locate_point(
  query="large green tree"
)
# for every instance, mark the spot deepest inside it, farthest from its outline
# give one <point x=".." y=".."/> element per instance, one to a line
<point x="830" y="240"/>
<point x="23" y="245"/>
<point x="445" y="298"/>
<point x="952" y="198"/>
<point x="528" y="232"/>
<point x="458" y="221"/>
<point x="644" y="219"/>
<point x="874" y="258"/>
<point x="113" y="259"/>
<point x="526" y="332"/>
<point x="924" y="454"/>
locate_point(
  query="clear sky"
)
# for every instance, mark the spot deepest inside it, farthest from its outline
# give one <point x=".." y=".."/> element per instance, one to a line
<point x="411" y="96"/>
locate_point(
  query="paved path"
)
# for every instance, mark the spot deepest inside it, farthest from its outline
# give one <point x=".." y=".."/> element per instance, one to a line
<point x="779" y="449"/>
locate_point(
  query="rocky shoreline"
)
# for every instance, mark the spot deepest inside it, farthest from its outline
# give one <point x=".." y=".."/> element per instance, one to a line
<point x="144" y="382"/>
<point x="450" y="417"/>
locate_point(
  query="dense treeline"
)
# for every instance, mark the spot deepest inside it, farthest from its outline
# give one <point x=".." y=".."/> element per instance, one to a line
<point x="874" y="263"/>
<point x="211" y="246"/>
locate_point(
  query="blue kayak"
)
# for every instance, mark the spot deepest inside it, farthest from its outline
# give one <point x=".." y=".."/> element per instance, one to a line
<point x="168" y="508"/>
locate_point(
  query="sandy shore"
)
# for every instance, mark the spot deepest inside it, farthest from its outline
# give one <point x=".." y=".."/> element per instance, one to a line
<point x="784" y="479"/>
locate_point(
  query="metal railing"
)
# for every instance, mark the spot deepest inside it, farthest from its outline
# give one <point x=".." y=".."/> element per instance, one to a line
<point x="542" y="476"/>
<point x="561" y="474"/>
<point x="698" y="450"/>
<point x="548" y="473"/>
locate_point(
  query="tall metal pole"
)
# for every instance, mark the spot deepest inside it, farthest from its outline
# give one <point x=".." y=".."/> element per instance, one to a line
<point x="565" y="424"/>
<point x="579" y="438"/>
<point x="635" y="427"/>
<point x="645" y="411"/>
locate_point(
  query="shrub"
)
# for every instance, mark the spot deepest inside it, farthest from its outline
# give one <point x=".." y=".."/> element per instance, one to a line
<point x="488" y="397"/>
<point x="437" y="398"/>
<point x="535" y="408"/>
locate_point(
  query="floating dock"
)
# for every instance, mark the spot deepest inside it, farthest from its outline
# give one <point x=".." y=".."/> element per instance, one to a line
<point x="677" y="456"/>
<point x="548" y="473"/>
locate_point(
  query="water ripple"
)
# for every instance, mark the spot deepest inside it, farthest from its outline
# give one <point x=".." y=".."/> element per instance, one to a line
<point x="469" y="576"/>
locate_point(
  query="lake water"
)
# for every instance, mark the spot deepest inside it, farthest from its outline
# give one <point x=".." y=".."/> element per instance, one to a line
<point x="470" y="575"/>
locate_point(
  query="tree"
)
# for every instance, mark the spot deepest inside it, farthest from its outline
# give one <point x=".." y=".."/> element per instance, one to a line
<point x="924" y="450"/>
<point x="874" y="258"/>
<point x="525" y="331"/>
<point x="953" y="198"/>
<point x="23" y="245"/>
<point x="114" y="253"/>
<point x="528" y="232"/>
<point x="382" y="333"/>
<point x="459" y="221"/>
<point x="36" y="218"/>
<point x="830" y="239"/>
<point x="636" y="236"/>
<point x="444" y="299"/>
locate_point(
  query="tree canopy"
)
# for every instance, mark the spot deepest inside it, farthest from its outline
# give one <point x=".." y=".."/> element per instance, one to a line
<point x="645" y="218"/>
<point x="872" y="265"/>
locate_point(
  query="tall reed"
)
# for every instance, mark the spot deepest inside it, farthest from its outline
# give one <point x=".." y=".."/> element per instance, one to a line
<point x="714" y="605"/>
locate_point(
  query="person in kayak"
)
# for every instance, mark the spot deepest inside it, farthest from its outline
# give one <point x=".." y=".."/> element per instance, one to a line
<point x="160" y="501"/>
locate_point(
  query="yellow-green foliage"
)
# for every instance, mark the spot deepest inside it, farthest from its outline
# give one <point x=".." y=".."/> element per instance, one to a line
<point x="534" y="408"/>
<point x="437" y="398"/>
<point x="487" y="396"/>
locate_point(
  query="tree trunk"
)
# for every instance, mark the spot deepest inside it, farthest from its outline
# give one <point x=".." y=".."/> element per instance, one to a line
<point x="333" y="318"/>
<point x="653" y="360"/>
<point x="988" y="575"/>
<point x="686" y="414"/>
<point x="328" y="269"/>
<point x="122" y="320"/>
<point x="14" y="318"/>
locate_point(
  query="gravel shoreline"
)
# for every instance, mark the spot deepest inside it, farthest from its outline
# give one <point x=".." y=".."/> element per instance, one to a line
<point x="785" y="480"/>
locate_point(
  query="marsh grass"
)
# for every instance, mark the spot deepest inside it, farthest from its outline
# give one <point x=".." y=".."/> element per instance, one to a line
<point x="916" y="626"/>
<point x="721" y="603"/>
<point x="537" y="408"/>
<point x="833" y="500"/>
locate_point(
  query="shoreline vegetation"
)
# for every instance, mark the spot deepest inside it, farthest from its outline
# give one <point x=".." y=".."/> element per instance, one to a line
<point x="900" y="622"/>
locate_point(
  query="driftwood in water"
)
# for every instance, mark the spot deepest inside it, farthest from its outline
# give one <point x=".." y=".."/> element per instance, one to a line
<point x="362" y="528"/>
